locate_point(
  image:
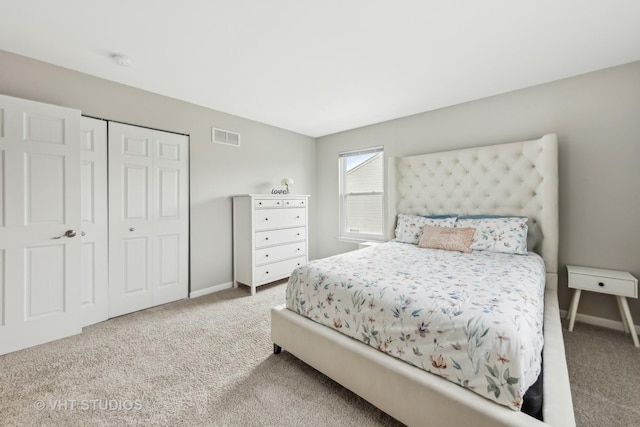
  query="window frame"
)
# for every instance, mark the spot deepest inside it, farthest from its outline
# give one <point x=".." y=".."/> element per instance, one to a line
<point x="343" y="234"/>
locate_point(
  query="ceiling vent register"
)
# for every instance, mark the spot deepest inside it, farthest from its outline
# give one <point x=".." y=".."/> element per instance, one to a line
<point x="227" y="137"/>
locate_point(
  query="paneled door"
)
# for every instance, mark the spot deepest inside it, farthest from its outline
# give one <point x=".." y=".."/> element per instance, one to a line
<point x="39" y="223"/>
<point x="148" y="218"/>
<point x="94" y="217"/>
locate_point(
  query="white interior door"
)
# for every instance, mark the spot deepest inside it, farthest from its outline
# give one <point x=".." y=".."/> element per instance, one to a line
<point x="148" y="218"/>
<point x="39" y="219"/>
<point x="94" y="217"/>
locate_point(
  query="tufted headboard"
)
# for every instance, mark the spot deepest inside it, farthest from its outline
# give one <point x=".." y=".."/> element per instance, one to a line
<point x="519" y="178"/>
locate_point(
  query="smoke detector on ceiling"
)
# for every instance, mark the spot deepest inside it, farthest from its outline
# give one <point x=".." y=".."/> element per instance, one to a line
<point x="122" y="60"/>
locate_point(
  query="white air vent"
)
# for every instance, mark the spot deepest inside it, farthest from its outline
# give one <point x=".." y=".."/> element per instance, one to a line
<point x="227" y="137"/>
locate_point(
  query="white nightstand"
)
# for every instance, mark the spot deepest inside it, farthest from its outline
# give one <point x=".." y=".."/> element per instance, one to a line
<point x="618" y="283"/>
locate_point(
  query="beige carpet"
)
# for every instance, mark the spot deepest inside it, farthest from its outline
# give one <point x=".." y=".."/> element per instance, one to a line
<point x="206" y="361"/>
<point x="604" y="369"/>
<point x="209" y="361"/>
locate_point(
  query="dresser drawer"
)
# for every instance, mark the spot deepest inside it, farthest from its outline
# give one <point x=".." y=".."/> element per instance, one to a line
<point x="269" y="219"/>
<point x="267" y="203"/>
<point x="277" y="237"/>
<point x="294" y="203"/>
<point x="606" y="285"/>
<point x="269" y="273"/>
<point x="278" y="253"/>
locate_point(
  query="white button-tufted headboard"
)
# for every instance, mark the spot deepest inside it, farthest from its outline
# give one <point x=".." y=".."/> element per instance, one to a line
<point x="520" y="178"/>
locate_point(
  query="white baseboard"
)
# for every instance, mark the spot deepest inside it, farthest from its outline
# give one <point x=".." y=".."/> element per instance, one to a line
<point x="598" y="321"/>
<point x="210" y="290"/>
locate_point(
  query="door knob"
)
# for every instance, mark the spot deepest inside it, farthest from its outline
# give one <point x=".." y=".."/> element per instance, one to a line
<point x="68" y="233"/>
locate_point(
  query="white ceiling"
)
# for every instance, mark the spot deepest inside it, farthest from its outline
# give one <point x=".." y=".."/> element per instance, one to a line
<point x="322" y="66"/>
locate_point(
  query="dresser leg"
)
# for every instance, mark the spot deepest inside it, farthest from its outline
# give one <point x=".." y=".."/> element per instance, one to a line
<point x="627" y="314"/>
<point x="574" y="308"/>
<point x="253" y="291"/>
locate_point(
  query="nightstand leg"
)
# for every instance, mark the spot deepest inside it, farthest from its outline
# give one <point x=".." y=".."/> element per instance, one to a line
<point x="624" y="318"/>
<point x="568" y="315"/>
<point x="627" y="313"/>
<point x="574" y="308"/>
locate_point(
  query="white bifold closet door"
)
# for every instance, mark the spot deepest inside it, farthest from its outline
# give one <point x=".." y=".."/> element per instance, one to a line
<point x="39" y="223"/>
<point x="148" y="218"/>
<point x="94" y="216"/>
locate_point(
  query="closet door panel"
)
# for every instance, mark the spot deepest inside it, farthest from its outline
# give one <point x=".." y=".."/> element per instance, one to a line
<point x="94" y="216"/>
<point x="88" y="279"/>
<point x="169" y="193"/>
<point x="135" y="255"/>
<point x="130" y="225"/>
<point x="169" y="257"/>
<point x="171" y="217"/>
<point x="149" y="217"/>
<point x="136" y="192"/>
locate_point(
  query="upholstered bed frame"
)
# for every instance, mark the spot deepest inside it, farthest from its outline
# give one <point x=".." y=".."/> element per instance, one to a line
<point x="519" y="178"/>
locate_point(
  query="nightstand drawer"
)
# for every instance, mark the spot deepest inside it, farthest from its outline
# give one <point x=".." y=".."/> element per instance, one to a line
<point x="606" y="285"/>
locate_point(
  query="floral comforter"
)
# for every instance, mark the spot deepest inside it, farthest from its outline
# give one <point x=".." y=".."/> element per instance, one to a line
<point x="474" y="319"/>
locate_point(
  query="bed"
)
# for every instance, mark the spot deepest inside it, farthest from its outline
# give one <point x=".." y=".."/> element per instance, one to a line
<point x="507" y="179"/>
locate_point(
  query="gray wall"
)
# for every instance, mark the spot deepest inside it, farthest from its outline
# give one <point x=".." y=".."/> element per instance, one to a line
<point x="266" y="155"/>
<point x="597" y="119"/>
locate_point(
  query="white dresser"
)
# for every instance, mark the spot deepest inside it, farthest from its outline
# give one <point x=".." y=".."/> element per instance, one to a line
<point x="269" y="237"/>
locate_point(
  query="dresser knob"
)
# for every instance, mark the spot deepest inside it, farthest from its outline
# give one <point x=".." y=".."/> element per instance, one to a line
<point x="266" y="238"/>
<point x="298" y="249"/>
<point x="266" y="272"/>
<point x="266" y="256"/>
<point x="266" y="219"/>
<point x="298" y="217"/>
<point x="601" y="284"/>
<point x="259" y="203"/>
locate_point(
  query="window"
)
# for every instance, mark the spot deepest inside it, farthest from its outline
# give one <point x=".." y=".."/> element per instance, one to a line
<point x="362" y="194"/>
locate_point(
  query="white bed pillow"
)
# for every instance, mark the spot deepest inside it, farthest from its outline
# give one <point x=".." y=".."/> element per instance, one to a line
<point x="506" y="235"/>
<point x="409" y="227"/>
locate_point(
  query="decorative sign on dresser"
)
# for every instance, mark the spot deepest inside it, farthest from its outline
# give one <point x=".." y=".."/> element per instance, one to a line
<point x="269" y="237"/>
